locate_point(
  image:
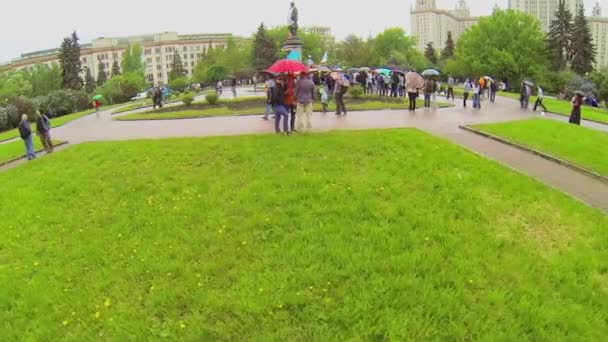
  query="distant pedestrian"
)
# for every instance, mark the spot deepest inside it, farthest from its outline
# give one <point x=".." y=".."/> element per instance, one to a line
<point x="370" y="84"/>
<point x="522" y="96"/>
<point x="278" y="104"/>
<point x="476" y="95"/>
<point x="467" y="90"/>
<point x="340" y="89"/>
<point x="268" y="85"/>
<point x="528" y="96"/>
<point x="305" y="93"/>
<point x="26" y="134"/>
<point x="493" y="90"/>
<point x="324" y="92"/>
<point x="96" y="105"/>
<point x="157" y="98"/>
<point x="539" y="100"/>
<point x="429" y="88"/>
<point x="413" y="84"/>
<point x="290" y="100"/>
<point x="233" y="87"/>
<point x="394" y="85"/>
<point x="451" y="84"/>
<point x="575" y="116"/>
<point x="43" y="129"/>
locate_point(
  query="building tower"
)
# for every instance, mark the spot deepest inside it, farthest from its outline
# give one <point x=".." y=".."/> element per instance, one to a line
<point x="597" y="10"/>
<point x="425" y="4"/>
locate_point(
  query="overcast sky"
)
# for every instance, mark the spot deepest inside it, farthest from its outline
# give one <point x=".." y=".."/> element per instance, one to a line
<point x="30" y="25"/>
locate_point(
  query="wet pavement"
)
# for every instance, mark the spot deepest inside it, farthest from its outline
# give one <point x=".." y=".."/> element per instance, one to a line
<point x="441" y="122"/>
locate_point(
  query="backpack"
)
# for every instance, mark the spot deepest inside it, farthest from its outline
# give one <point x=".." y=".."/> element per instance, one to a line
<point x="24" y="131"/>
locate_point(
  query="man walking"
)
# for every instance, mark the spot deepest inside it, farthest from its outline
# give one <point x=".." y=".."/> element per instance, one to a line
<point x="305" y="93"/>
<point x="429" y="89"/>
<point x="493" y="89"/>
<point x="43" y="128"/>
<point x="451" y="84"/>
<point x="26" y="134"/>
<point x="467" y="91"/>
<point x="278" y="104"/>
<point x="339" y="90"/>
<point x="268" y="85"/>
<point x="539" y="100"/>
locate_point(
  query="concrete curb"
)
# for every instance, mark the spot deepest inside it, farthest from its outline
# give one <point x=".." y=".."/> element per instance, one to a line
<point x="536" y="152"/>
<point x="23" y="157"/>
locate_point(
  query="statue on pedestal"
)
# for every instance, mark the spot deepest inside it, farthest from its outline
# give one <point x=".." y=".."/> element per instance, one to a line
<point x="292" y="21"/>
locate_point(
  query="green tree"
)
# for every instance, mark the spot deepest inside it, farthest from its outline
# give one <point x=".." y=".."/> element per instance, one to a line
<point x="600" y="78"/>
<point x="102" y="76"/>
<point x="312" y="44"/>
<point x="233" y="59"/>
<point x="430" y="53"/>
<point x="559" y="38"/>
<point x="264" y="50"/>
<point x="514" y="56"/>
<point x="355" y="52"/>
<point x="115" y="68"/>
<point x="177" y="68"/>
<point x="132" y="60"/>
<point x="583" y="49"/>
<point x="448" y="50"/>
<point x="44" y="79"/>
<point x="394" y="47"/>
<point x="89" y="81"/>
<point x="69" y="60"/>
<point x="14" y="83"/>
<point x="178" y="84"/>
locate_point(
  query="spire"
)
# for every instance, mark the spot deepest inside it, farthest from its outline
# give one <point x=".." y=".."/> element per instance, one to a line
<point x="496" y="8"/>
<point x="597" y="10"/>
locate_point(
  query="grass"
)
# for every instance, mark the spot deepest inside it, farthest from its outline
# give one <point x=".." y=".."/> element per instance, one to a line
<point x="16" y="149"/>
<point x="582" y="146"/>
<point x="255" y="106"/>
<point x="55" y="122"/>
<point x="564" y="108"/>
<point x="374" y="235"/>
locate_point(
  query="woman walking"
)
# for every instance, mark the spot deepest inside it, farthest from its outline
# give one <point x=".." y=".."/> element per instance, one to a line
<point x="43" y="129"/>
<point x="577" y="102"/>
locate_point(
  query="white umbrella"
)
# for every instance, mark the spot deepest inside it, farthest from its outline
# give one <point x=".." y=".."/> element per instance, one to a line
<point x="431" y="72"/>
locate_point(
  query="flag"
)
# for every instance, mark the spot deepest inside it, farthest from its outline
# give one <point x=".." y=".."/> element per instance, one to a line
<point x="325" y="58"/>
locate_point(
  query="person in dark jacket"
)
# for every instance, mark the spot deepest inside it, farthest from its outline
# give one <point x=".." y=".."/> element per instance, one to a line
<point x="278" y="104"/>
<point x="575" y="116"/>
<point x="43" y="129"/>
<point x="26" y="134"/>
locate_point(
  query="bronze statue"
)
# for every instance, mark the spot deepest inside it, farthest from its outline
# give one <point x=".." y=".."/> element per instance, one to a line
<point x="292" y="21"/>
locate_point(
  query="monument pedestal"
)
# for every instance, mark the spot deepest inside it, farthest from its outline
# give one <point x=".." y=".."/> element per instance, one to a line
<point x="293" y="46"/>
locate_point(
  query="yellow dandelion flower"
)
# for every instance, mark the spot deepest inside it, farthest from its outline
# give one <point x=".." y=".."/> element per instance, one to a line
<point x="107" y="303"/>
<point x="200" y="284"/>
<point x="151" y="288"/>
<point x="182" y="325"/>
<point x="65" y="323"/>
<point x="36" y="263"/>
<point x="97" y="315"/>
<point x="261" y="290"/>
<point x="244" y="243"/>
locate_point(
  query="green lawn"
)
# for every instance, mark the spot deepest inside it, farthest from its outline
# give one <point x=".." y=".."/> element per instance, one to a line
<point x="256" y="107"/>
<point x="55" y="122"/>
<point x="582" y="146"/>
<point x="564" y="108"/>
<point x="16" y="149"/>
<point x="374" y="235"/>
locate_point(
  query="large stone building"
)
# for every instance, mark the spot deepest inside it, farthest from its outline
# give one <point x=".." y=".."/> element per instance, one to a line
<point x="543" y="10"/>
<point x="322" y="31"/>
<point x="599" y="32"/>
<point x="158" y="51"/>
<point x="431" y="25"/>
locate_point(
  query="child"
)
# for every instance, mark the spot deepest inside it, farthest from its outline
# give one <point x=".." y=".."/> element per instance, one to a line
<point x="324" y="98"/>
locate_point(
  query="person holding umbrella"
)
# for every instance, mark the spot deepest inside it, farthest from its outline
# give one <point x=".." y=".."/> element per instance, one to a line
<point x="290" y="99"/>
<point x="577" y="102"/>
<point x="413" y="82"/>
<point x="97" y="104"/>
<point x="278" y="104"/>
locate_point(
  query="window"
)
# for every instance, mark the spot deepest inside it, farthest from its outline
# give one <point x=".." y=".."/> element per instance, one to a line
<point x="185" y="48"/>
<point x="160" y="75"/>
<point x="157" y="59"/>
<point x="185" y="56"/>
<point x="192" y="64"/>
<point x="149" y="60"/>
<point x="192" y="56"/>
<point x="158" y="51"/>
<point x="148" y="52"/>
<point x="115" y="55"/>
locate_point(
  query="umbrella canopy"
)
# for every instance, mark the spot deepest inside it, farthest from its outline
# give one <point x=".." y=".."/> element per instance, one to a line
<point x="430" y="72"/>
<point x="336" y="76"/>
<point x="287" y="65"/>
<point x="530" y="83"/>
<point x="383" y="71"/>
<point x="579" y="92"/>
<point x="413" y="80"/>
<point x="366" y="69"/>
<point x="320" y="69"/>
<point x="353" y="70"/>
<point x="98" y="97"/>
<point x="489" y="78"/>
<point x="398" y="72"/>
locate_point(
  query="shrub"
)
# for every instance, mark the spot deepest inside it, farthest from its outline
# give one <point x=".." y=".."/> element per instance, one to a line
<point x="356" y="92"/>
<point x="212" y="99"/>
<point x="187" y="99"/>
<point x="25" y="106"/>
<point x="9" y="117"/>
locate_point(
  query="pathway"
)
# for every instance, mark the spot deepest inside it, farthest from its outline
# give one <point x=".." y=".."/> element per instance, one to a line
<point x="443" y="123"/>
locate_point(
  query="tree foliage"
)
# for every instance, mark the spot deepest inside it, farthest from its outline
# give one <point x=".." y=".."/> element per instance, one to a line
<point x="115" y="68"/>
<point x="44" y="79"/>
<point x="513" y="57"/>
<point x="313" y="44"/>
<point x="177" y="68"/>
<point x="583" y="49"/>
<point x="559" y="38"/>
<point x="264" y="49"/>
<point x="354" y="52"/>
<point x="234" y="59"/>
<point x="132" y="61"/>
<point x="69" y="60"/>
<point x="430" y="53"/>
<point x="102" y="76"/>
<point x="89" y="81"/>
<point x="448" y="50"/>
<point x="14" y="83"/>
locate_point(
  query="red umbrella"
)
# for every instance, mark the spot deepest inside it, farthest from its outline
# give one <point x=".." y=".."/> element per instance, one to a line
<point x="287" y="65"/>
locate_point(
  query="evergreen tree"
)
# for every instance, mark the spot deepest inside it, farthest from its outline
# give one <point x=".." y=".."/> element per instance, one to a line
<point x="102" y="76"/>
<point x="132" y="61"/>
<point x="177" y="68"/>
<point x="448" y="51"/>
<point x="89" y="81"/>
<point x="584" y="52"/>
<point x="115" y="68"/>
<point x="430" y="53"/>
<point x="69" y="60"/>
<point x="559" y="38"/>
<point x="264" y="49"/>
